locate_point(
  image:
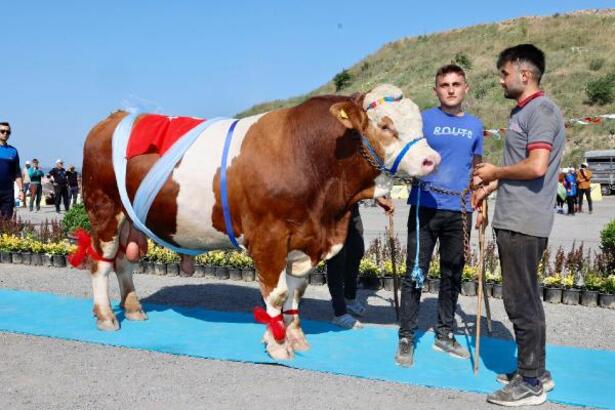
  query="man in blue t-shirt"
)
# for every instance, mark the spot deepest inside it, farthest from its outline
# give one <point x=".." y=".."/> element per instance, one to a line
<point x="10" y="172"/>
<point x="458" y="138"/>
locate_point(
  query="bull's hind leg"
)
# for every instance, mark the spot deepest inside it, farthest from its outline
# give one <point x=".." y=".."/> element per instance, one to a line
<point x="135" y="246"/>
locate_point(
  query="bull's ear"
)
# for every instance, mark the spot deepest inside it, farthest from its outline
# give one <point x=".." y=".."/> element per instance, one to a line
<point x="349" y="114"/>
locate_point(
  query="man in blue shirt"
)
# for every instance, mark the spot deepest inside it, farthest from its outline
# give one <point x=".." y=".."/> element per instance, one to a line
<point x="10" y="172"/>
<point x="458" y="138"/>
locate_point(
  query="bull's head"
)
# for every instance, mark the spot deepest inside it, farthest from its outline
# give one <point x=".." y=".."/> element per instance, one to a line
<point x="391" y="129"/>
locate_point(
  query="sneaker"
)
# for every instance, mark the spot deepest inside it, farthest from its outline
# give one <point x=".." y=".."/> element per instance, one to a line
<point x="355" y="307"/>
<point x="405" y="353"/>
<point x="347" y="322"/>
<point x="547" y="381"/>
<point x="449" y="345"/>
<point x="518" y="393"/>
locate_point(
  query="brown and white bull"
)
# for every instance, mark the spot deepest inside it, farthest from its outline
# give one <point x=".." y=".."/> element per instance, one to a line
<point x="293" y="175"/>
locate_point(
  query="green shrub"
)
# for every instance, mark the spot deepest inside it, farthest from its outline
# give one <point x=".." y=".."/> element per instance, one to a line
<point x="609" y="285"/>
<point x="341" y="80"/>
<point x="607" y="245"/>
<point x="596" y="64"/>
<point x="463" y="60"/>
<point x="76" y="217"/>
<point x="600" y="91"/>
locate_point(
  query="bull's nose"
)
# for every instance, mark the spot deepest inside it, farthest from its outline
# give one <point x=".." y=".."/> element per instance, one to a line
<point x="430" y="163"/>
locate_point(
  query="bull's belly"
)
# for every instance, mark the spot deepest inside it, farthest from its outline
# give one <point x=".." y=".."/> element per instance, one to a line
<point x="195" y="175"/>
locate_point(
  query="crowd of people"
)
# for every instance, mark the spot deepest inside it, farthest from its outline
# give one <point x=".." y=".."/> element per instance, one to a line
<point x="31" y="180"/>
<point x="572" y="186"/>
<point x="528" y="179"/>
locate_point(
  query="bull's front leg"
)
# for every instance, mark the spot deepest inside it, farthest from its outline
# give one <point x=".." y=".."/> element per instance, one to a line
<point x="297" y="270"/>
<point x="105" y="318"/>
<point x="275" y="335"/>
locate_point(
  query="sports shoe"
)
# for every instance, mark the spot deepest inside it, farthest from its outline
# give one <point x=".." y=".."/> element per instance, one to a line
<point x="449" y="345"/>
<point x="547" y="381"/>
<point x="518" y="393"/>
<point x="405" y="353"/>
<point x="347" y="322"/>
<point x="355" y="307"/>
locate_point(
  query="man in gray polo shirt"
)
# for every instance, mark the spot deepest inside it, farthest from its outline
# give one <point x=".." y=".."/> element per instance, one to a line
<point x="526" y="185"/>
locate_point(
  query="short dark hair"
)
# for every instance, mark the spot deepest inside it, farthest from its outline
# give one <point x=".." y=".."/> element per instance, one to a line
<point x="524" y="53"/>
<point x="450" y="68"/>
<point x="5" y="123"/>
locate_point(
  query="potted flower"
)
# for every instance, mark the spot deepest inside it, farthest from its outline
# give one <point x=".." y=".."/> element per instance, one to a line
<point x="593" y="284"/>
<point x="248" y="274"/>
<point x="36" y="247"/>
<point x="468" y="283"/>
<point x="7" y="245"/>
<point x="17" y="252"/>
<point x="388" y="280"/>
<point x="57" y="251"/>
<point x="218" y="259"/>
<point x="496" y="291"/>
<point x="607" y="293"/>
<point x="433" y="276"/>
<point x="318" y="276"/>
<point x="553" y="288"/>
<point x="171" y="260"/>
<point x="369" y="274"/>
<point x="235" y="264"/>
<point x="570" y="295"/>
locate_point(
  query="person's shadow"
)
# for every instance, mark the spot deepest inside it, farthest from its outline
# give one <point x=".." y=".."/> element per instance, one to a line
<point x="221" y="302"/>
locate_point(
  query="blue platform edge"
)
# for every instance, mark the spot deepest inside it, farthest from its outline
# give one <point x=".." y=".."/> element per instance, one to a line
<point x="583" y="377"/>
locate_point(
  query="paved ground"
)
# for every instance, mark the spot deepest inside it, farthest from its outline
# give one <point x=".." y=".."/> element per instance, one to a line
<point x="46" y="373"/>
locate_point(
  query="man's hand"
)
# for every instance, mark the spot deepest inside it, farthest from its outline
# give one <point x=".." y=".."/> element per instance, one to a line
<point x="21" y="195"/>
<point x="386" y="204"/>
<point x="486" y="172"/>
<point x="480" y="220"/>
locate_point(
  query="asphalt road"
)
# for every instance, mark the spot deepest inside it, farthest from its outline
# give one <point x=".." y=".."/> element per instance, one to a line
<point x="44" y="373"/>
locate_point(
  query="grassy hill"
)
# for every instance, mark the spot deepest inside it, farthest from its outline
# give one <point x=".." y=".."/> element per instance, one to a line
<point x="579" y="48"/>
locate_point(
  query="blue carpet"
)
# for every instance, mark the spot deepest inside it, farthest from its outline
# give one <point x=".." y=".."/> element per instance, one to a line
<point x="584" y="377"/>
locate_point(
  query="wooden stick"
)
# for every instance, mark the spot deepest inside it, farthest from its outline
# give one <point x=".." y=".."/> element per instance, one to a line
<point x="481" y="273"/>
<point x="394" y="265"/>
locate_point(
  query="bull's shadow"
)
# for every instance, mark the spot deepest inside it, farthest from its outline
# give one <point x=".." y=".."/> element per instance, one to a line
<point x="234" y="301"/>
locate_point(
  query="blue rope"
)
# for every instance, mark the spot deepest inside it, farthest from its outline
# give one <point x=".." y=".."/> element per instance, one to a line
<point x="417" y="272"/>
<point x="223" y="188"/>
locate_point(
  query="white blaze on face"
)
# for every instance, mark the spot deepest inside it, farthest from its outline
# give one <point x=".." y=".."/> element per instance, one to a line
<point x="420" y="159"/>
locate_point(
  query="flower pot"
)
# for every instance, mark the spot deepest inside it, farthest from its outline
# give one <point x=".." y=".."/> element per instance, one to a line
<point x="210" y="271"/>
<point x="27" y="258"/>
<point x="318" y="278"/>
<point x="17" y="257"/>
<point x="607" y="301"/>
<point x="172" y="269"/>
<point x="488" y="289"/>
<point x="589" y="298"/>
<point x="496" y="292"/>
<point x="160" y="268"/>
<point x="388" y="283"/>
<point x="149" y="268"/>
<point x="434" y="285"/>
<point x="234" y="273"/>
<point x="58" y="261"/>
<point x="6" y="257"/>
<point x="222" y="272"/>
<point x="541" y="292"/>
<point x="371" y="282"/>
<point x="248" y="274"/>
<point x="199" y="271"/>
<point x="46" y="260"/>
<point x="553" y="295"/>
<point x="37" y="259"/>
<point x="468" y="288"/>
<point x="139" y="267"/>
<point x="571" y="296"/>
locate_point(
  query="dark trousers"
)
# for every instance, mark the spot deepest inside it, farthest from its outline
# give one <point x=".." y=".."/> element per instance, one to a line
<point x="447" y="227"/>
<point x="519" y="258"/>
<point x="74" y="193"/>
<point x="7" y="203"/>
<point x="570" y="200"/>
<point x="343" y="268"/>
<point x="61" y="193"/>
<point x="587" y="193"/>
<point x="36" y="193"/>
<point x="559" y="201"/>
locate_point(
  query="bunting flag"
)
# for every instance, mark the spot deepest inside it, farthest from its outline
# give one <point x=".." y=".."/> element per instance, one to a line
<point x="498" y="133"/>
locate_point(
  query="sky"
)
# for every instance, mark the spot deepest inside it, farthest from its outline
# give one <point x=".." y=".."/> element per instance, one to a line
<point x="65" y="65"/>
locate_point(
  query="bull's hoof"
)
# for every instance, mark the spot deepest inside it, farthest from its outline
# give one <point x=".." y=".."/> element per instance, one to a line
<point x="107" y="325"/>
<point x="278" y="350"/>
<point x="138" y="315"/>
<point x="296" y="339"/>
